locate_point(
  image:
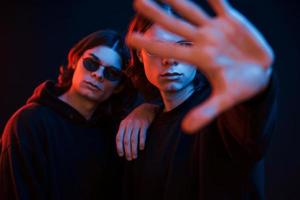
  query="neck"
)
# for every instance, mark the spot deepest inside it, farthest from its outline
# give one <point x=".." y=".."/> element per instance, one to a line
<point x="85" y="107"/>
<point x="173" y="99"/>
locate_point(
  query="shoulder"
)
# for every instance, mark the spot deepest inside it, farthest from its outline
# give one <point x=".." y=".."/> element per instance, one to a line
<point x="25" y="125"/>
<point x="28" y="115"/>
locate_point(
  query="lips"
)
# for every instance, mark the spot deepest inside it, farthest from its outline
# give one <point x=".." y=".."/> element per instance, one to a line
<point x="94" y="86"/>
<point x="171" y="74"/>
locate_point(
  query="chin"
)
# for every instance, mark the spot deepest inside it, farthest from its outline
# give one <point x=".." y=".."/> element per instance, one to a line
<point x="90" y="96"/>
<point x="171" y="89"/>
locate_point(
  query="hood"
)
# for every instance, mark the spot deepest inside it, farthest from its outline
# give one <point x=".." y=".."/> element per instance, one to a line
<point x="47" y="94"/>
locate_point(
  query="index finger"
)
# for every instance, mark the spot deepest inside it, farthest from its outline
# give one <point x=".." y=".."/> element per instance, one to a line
<point x="165" y="18"/>
<point x="190" y="11"/>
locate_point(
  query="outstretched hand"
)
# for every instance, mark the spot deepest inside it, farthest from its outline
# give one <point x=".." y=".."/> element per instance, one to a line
<point x="227" y="49"/>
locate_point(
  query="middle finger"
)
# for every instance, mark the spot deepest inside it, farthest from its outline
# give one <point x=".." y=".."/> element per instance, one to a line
<point x="166" y="19"/>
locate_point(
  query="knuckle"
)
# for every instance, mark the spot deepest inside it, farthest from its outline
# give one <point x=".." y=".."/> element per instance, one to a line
<point x="133" y="140"/>
<point x="118" y="141"/>
<point x="142" y="141"/>
<point x="118" y="137"/>
<point x="126" y="142"/>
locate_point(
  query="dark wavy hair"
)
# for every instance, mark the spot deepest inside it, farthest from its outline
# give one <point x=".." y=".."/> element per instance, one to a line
<point x="136" y="71"/>
<point x="107" y="38"/>
<point x="110" y="39"/>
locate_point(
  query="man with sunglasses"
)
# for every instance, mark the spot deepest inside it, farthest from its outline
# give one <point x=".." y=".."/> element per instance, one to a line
<point x="60" y="145"/>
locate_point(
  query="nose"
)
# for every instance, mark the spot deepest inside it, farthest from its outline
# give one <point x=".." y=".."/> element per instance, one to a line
<point x="98" y="74"/>
<point x="169" y="62"/>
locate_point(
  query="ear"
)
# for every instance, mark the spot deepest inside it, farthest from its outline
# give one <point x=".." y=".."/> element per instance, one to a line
<point x="139" y="55"/>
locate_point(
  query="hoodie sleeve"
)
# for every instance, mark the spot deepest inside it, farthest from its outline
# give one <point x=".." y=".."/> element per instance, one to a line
<point x="22" y="164"/>
<point x="247" y="128"/>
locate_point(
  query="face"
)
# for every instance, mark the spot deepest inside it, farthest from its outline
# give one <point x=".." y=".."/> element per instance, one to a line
<point x="168" y="75"/>
<point x="94" y="75"/>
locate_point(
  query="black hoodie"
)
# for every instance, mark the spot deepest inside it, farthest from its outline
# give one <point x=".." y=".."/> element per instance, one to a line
<point x="50" y="151"/>
<point x="222" y="161"/>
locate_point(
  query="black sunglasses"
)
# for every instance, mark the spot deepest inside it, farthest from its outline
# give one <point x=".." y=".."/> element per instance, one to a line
<point x="110" y="73"/>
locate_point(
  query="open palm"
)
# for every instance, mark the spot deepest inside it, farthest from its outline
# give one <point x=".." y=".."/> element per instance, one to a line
<point x="227" y="48"/>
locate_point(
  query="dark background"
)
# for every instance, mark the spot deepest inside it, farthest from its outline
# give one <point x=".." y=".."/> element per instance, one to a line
<point x="35" y="37"/>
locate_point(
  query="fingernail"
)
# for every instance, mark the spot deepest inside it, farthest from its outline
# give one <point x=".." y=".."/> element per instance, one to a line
<point x="120" y="154"/>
